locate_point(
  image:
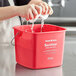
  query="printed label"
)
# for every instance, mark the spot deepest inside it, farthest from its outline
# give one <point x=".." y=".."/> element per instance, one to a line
<point x="50" y="48"/>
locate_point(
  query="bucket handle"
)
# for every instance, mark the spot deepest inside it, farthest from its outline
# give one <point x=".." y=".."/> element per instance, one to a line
<point x="17" y="33"/>
<point x="23" y="19"/>
<point x="14" y="38"/>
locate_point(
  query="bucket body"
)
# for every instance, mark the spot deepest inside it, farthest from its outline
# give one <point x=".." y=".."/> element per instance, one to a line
<point x="37" y="50"/>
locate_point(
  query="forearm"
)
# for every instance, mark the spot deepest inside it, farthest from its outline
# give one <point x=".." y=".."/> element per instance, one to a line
<point x="34" y="1"/>
<point x="8" y="12"/>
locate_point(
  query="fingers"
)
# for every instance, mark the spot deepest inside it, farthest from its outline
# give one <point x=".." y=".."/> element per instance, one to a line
<point x="39" y="9"/>
<point x="34" y="11"/>
<point x="27" y="16"/>
<point x="46" y="7"/>
<point x="31" y="16"/>
<point x="50" y="10"/>
<point x="43" y="8"/>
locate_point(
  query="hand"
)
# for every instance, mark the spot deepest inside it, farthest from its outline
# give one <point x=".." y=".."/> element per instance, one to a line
<point x="29" y="11"/>
<point x="46" y="9"/>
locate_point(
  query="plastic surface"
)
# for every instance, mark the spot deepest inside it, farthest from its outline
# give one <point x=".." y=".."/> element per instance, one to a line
<point x="39" y="50"/>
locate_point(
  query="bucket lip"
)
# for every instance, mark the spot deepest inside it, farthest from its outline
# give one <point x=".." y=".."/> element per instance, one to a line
<point x="64" y="29"/>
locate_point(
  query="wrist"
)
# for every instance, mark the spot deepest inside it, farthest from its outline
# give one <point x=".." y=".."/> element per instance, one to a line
<point x="20" y="9"/>
<point x="15" y="10"/>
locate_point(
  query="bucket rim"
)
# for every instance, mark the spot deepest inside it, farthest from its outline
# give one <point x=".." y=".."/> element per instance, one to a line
<point x="64" y="29"/>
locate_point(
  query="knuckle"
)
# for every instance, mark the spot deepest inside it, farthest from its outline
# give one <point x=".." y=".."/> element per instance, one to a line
<point x="45" y="3"/>
<point x="46" y="7"/>
<point x="39" y="8"/>
<point x="32" y="17"/>
<point x="30" y="6"/>
<point x="36" y="14"/>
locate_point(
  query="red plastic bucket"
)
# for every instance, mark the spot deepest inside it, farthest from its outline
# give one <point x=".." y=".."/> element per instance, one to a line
<point x="39" y="50"/>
